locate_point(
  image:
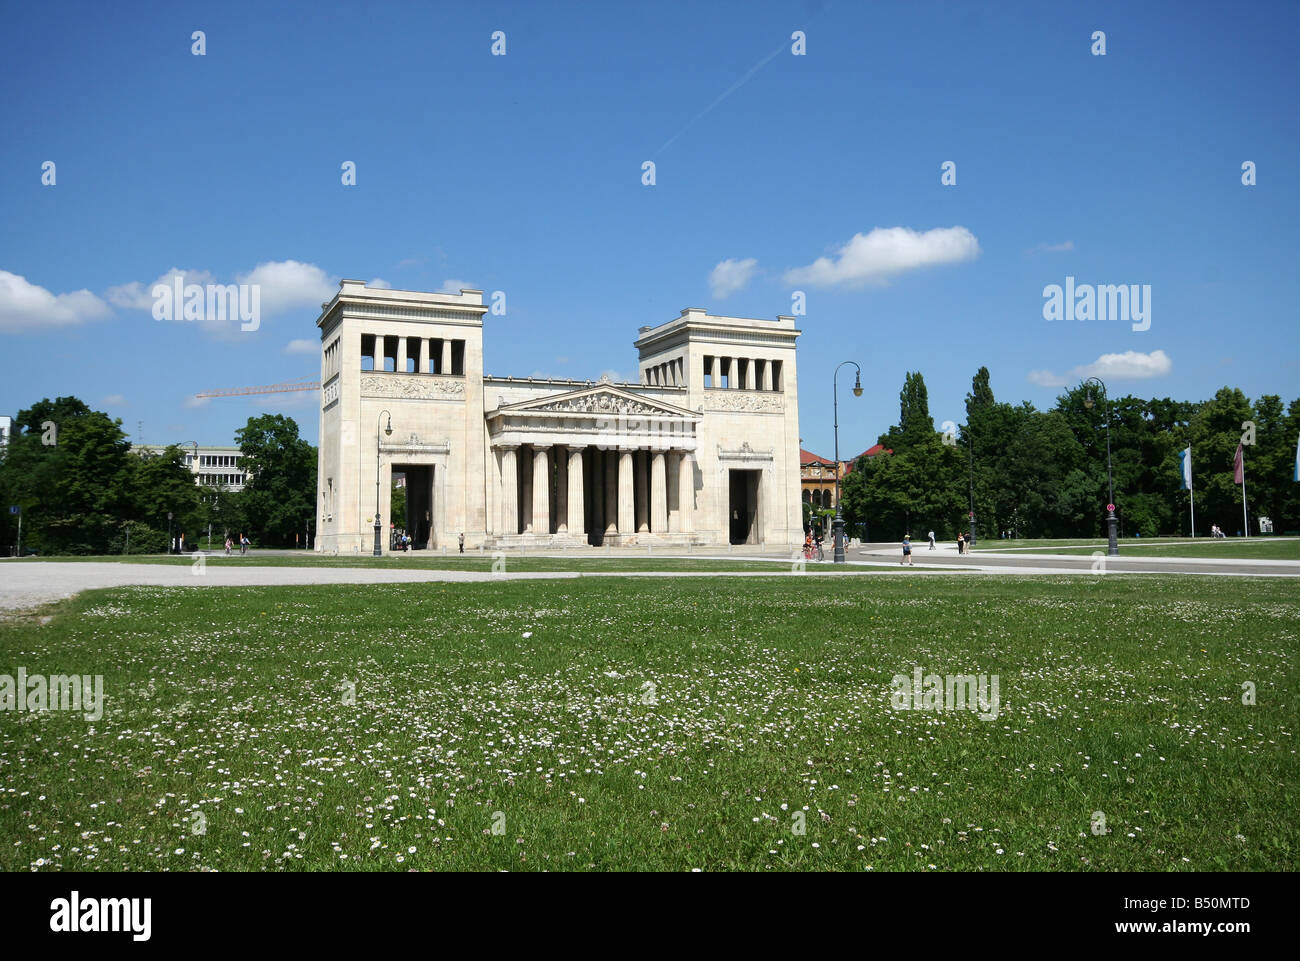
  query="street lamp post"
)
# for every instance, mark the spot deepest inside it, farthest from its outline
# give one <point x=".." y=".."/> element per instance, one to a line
<point x="1112" y="546"/>
<point x="170" y="548"/>
<point x="970" y="447"/>
<point x="838" y="525"/>
<point x="388" y="431"/>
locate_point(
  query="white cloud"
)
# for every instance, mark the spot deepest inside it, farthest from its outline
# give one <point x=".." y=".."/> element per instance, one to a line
<point x="731" y="275"/>
<point x="1052" y="248"/>
<point x="289" y="285"/>
<point x="884" y="253"/>
<point x="1045" y="378"/>
<point x="195" y="401"/>
<point x="290" y="401"/>
<point x="1130" y="365"/>
<point x="114" y="400"/>
<point x="301" y="346"/>
<point x="138" y="296"/>
<point x="285" y="285"/>
<point x="25" y="306"/>
<point x="453" y="286"/>
<point x="378" y="283"/>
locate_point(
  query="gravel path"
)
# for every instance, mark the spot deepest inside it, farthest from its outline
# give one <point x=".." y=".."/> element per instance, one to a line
<point x="28" y="584"/>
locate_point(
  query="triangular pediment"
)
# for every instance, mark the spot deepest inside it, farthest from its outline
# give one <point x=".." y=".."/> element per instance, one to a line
<point x="599" y="400"/>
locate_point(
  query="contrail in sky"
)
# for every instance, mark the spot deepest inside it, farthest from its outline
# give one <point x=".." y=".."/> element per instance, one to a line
<point x="727" y="93"/>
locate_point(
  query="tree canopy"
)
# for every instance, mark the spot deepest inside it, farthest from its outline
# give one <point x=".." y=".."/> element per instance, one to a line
<point x="1043" y="473"/>
<point x="82" y="490"/>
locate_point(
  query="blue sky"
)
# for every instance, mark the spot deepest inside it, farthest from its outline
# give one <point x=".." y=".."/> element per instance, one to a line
<point x="523" y="173"/>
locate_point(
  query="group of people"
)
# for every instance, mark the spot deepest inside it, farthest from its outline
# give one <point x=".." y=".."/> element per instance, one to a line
<point x="244" y="543"/>
<point x="962" y="546"/>
<point x="1216" y="531"/>
<point x="402" y="541"/>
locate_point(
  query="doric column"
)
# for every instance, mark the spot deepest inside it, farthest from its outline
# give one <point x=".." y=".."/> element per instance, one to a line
<point x="400" y="366"/>
<point x="509" y="492"/>
<point x="626" y="506"/>
<point x="541" y="491"/>
<point x="561" y="490"/>
<point x="686" y="492"/>
<point x="526" y="492"/>
<point x="672" y="490"/>
<point x="642" y="487"/>
<point x="422" y="361"/>
<point x="446" y="355"/>
<point x="575" y="506"/>
<point x="658" y="493"/>
<point x="611" y="491"/>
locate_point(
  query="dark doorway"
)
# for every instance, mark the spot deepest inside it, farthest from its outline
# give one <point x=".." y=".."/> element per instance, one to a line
<point x="593" y="495"/>
<point x="743" y="506"/>
<point x="418" y="521"/>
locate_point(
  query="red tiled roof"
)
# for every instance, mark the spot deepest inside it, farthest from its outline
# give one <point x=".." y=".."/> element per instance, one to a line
<point x="808" y="457"/>
<point x="870" y="452"/>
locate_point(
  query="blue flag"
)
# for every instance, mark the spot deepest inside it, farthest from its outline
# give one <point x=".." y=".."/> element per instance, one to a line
<point x="1185" y="459"/>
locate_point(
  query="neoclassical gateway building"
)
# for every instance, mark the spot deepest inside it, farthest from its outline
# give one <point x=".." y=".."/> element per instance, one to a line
<point x="704" y="450"/>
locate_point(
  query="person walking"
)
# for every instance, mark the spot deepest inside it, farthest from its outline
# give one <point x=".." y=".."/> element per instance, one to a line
<point x="907" y="551"/>
<point x="229" y="543"/>
<point x="462" y="542"/>
<point x="961" y="544"/>
<point x="931" y="540"/>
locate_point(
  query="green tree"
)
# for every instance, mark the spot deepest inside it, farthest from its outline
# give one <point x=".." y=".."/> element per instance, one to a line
<point x="69" y="467"/>
<point x="1214" y="432"/>
<point x="161" y="483"/>
<point x="280" y="497"/>
<point x="915" y="425"/>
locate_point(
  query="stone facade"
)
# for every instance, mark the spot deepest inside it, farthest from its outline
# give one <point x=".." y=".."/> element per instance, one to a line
<point x="704" y="450"/>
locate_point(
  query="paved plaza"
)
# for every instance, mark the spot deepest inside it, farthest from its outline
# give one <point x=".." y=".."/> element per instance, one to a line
<point x="28" y="584"/>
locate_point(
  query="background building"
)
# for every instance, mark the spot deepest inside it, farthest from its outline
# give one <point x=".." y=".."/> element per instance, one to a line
<point x="817" y="476"/>
<point x="211" y="466"/>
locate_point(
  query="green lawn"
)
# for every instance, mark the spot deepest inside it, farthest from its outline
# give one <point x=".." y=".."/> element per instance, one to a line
<point x="1259" y="548"/>
<point x="674" y="724"/>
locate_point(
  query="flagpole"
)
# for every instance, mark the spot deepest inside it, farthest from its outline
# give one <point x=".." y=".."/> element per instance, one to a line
<point x="1191" y="498"/>
<point x="1245" y="524"/>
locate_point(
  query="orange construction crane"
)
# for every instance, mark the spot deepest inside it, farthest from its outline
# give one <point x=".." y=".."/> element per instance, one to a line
<point x="286" y="388"/>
